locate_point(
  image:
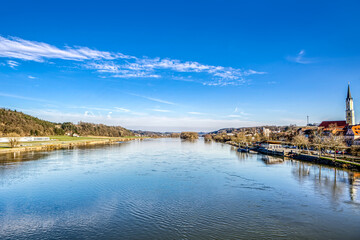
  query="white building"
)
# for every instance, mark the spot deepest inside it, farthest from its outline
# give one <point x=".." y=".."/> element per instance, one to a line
<point x="25" y="139"/>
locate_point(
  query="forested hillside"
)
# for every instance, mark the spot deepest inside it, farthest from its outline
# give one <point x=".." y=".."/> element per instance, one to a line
<point x="13" y="123"/>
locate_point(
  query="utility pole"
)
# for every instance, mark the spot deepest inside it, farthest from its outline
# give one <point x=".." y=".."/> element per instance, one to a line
<point x="307" y="120"/>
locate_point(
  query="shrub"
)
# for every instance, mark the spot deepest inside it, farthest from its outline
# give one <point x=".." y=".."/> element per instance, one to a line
<point x="189" y="135"/>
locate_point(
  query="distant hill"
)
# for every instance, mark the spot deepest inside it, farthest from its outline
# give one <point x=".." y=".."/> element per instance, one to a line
<point x="14" y="123"/>
<point x="235" y="130"/>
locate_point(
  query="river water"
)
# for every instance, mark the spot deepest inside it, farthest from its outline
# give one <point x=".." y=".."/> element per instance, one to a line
<point x="173" y="189"/>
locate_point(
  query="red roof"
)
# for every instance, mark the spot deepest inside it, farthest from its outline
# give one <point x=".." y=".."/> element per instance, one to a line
<point x="327" y="124"/>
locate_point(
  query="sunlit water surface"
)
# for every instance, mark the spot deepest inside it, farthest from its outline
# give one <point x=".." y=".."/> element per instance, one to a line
<point x="173" y="189"/>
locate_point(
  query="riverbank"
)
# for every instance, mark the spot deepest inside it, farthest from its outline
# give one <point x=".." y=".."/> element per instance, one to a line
<point x="323" y="160"/>
<point x="64" y="142"/>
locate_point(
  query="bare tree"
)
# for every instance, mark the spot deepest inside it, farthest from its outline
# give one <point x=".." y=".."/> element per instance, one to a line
<point x="335" y="143"/>
<point x="301" y="141"/>
<point x="13" y="142"/>
<point x="318" y="143"/>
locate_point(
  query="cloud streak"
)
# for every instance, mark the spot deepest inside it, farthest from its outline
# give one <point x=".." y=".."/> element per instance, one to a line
<point x="37" y="51"/>
<point x="22" y="97"/>
<point x="119" y="65"/>
<point x="160" y="110"/>
<point x="13" y="64"/>
<point x="300" y="58"/>
<point x="154" y="99"/>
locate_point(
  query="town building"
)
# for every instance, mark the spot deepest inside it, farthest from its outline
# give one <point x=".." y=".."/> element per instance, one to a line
<point x="333" y="127"/>
<point x="352" y="135"/>
<point x="265" y="131"/>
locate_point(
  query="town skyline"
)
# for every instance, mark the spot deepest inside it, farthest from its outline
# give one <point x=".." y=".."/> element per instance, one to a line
<point x="239" y="69"/>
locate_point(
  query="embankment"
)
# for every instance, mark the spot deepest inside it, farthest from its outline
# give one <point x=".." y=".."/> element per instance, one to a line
<point x="66" y="145"/>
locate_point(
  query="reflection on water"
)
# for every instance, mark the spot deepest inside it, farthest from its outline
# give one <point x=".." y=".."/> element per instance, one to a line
<point x="173" y="189"/>
<point x="272" y="159"/>
<point x="331" y="180"/>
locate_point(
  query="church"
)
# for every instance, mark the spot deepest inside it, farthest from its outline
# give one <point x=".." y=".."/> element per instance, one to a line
<point x="347" y="128"/>
<point x="352" y="135"/>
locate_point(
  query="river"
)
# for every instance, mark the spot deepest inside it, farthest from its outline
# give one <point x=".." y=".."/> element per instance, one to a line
<point x="173" y="189"/>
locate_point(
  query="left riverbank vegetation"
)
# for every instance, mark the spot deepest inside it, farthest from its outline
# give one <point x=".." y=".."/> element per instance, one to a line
<point x="18" y="124"/>
<point x="15" y="125"/>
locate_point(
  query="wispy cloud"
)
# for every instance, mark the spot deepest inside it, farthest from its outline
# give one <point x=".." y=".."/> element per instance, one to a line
<point x="113" y="110"/>
<point x="160" y="110"/>
<point x="18" y="48"/>
<point x="12" y="64"/>
<point x="195" y="113"/>
<point x="153" y="99"/>
<point x="300" y="58"/>
<point x="240" y="112"/>
<point x="31" y="77"/>
<point x="89" y="114"/>
<point x="119" y="65"/>
<point x="109" y="115"/>
<point x="22" y="97"/>
<point x="122" y="109"/>
<point x="235" y="116"/>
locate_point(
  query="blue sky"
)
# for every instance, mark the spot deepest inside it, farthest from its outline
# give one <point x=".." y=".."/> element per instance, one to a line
<point x="180" y="65"/>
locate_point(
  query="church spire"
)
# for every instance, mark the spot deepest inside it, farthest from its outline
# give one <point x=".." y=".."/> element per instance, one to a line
<point x="349" y="93"/>
<point x="350" y="113"/>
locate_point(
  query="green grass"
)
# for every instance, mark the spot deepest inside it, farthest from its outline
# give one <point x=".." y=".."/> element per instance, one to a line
<point x="341" y="161"/>
<point x="59" y="139"/>
<point x="68" y="138"/>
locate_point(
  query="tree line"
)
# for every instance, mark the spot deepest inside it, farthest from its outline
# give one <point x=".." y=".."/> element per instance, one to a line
<point x="18" y="124"/>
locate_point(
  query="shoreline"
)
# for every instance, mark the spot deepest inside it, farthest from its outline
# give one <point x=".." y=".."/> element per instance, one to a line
<point x="323" y="160"/>
<point x="57" y="145"/>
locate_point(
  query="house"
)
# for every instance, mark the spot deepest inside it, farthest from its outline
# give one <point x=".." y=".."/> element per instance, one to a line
<point x="307" y="131"/>
<point x="330" y="124"/>
<point x="352" y="135"/>
<point x="265" y="131"/>
<point x="333" y="127"/>
<point x="272" y="145"/>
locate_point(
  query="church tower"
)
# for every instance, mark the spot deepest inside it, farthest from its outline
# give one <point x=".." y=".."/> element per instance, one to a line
<point x="350" y="114"/>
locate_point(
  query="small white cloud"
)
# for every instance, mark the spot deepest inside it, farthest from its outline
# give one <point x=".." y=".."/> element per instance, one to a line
<point x="89" y="114"/>
<point x="109" y="115"/>
<point x="13" y="64"/>
<point x="31" y="77"/>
